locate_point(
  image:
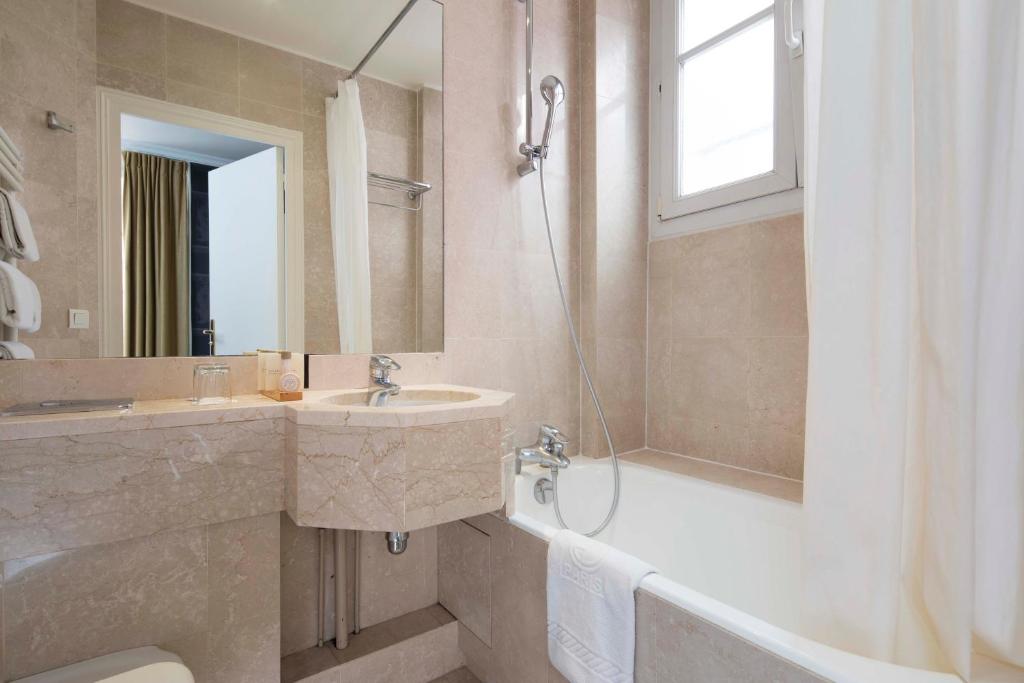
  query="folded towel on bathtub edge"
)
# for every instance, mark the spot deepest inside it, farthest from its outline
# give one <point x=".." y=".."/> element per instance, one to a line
<point x="591" y="609"/>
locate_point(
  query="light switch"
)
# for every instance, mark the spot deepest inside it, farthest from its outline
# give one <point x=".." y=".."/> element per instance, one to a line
<point x="78" y="319"/>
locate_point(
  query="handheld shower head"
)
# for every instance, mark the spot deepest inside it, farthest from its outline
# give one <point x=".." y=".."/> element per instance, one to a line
<point x="553" y="92"/>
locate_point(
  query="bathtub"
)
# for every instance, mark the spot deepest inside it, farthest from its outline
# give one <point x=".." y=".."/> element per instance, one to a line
<point x="728" y="555"/>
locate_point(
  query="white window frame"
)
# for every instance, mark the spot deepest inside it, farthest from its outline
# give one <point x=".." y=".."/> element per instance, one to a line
<point x="774" y="193"/>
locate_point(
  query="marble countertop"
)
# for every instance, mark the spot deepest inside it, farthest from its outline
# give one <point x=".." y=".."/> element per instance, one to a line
<point x="312" y="409"/>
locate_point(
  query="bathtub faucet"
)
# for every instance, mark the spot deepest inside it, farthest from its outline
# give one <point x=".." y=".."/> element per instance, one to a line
<point x="549" y="451"/>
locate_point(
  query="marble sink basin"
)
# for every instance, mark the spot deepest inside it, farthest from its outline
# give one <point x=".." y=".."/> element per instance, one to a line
<point x="407" y="398"/>
<point x="432" y="455"/>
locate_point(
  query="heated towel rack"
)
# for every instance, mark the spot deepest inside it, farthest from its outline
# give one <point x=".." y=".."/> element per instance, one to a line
<point x="413" y="189"/>
<point x="12" y="180"/>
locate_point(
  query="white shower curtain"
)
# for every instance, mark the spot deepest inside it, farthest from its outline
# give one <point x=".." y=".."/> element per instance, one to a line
<point x="350" y="232"/>
<point x="914" y="474"/>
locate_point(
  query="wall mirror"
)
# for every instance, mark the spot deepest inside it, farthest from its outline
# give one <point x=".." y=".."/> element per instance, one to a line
<point x="251" y="193"/>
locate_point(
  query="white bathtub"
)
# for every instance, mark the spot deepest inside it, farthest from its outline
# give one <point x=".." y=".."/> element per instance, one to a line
<point x="727" y="555"/>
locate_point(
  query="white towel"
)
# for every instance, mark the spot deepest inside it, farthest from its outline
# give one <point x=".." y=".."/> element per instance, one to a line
<point x="591" y="610"/>
<point x="15" y="350"/>
<point x="16" y="236"/>
<point x="20" y="305"/>
<point x="8" y="144"/>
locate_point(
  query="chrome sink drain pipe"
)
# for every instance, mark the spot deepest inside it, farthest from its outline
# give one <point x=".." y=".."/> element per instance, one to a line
<point x="398" y="541"/>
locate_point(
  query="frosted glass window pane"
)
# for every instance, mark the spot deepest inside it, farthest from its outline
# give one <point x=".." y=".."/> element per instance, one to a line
<point x="726" y="111"/>
<point x="703" y="19"/>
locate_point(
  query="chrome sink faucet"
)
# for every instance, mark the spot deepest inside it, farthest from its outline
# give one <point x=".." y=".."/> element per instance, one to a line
<point x="549" y="451"/>
<point x="381" y="387"/>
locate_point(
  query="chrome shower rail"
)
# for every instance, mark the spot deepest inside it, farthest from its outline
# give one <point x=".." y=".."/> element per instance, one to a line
<point x="527" y="148"/>
<point x="380" y="41"/>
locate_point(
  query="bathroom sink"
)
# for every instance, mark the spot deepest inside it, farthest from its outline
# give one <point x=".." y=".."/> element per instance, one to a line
<point x="409" y="398"/>
<point x="432" y="455"/>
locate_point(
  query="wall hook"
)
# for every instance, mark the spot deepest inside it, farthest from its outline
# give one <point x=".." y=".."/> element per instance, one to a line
<point x="53" y="122"/>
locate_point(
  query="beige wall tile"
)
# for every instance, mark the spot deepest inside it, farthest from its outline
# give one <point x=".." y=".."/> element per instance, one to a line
<point x="85" y="24"/>
<point x="270" y="75"/>
<point x="646" y="670"/>
<point x="70" y="491"/>
<point x="778" y="292"/>
<point x="275" y="116"/>
<point x="299" y="586"/>
<point x="130" y="81"/>
<point x="131" y="37"/>
<point x="705" y="652"/>
<point x="711" y="285"/>
<point x="202" y="56"/>
<point x="319" y="81"/>
<point x="397" y="584"/>
<point x="201" y="98"/>
<point x="244" y="600"/>
<point x="727" y="319"/>
<point x="464" y="576"/>
<point x="37" y="63"/>
<point x="56" y="17"/>
<point x="112" y="597"/>
<point x="710" y="379"/>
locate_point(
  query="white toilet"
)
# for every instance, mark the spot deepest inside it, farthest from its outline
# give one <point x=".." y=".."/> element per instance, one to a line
<point x="141" y="665"/>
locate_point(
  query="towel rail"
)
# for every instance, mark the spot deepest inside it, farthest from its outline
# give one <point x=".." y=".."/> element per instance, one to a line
<point x="11" y="178"/>
<point x="414" y="189"/>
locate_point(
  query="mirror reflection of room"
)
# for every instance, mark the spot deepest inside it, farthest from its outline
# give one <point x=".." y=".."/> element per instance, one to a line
<point x="203" y="224"/>
<point x="248" y="193"/>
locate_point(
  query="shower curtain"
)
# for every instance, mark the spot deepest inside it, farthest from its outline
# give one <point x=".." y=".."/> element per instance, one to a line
<point x="350" y="238"/>
<point x="914" y="476"/>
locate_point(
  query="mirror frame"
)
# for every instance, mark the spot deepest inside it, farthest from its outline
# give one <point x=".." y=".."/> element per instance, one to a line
<point x="111" y="104"/>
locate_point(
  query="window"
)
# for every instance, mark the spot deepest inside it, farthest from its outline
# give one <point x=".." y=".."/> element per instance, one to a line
<point x="728" y="124"/>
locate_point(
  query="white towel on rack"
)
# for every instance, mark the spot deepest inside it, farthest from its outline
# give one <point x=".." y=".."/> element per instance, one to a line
<point x="8" y="145"/>
<point x="20" y="305"/>
<point x="16" y="236"/>
<point x="11" y="350"/>
<point x="10" y="175"/>
<point x="591" y="609"/>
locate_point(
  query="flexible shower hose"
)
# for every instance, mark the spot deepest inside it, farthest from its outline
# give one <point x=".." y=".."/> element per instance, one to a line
<point x="586" y="375"/>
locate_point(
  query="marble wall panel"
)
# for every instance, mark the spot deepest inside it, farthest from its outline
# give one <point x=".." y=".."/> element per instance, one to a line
<point x="59" y="492"/>
<point x="207" y="593"/>
<point x="728" y="334"/>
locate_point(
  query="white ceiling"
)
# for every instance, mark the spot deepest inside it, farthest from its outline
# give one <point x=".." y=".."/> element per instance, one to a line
<point x="337" y="32"/>
<point x="181" y="142"/>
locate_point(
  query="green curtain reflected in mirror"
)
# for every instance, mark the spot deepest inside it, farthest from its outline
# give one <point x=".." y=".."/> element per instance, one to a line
<point x="156" y="254"/>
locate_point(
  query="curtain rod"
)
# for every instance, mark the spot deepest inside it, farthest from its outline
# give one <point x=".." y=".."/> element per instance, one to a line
<point x="380" y="41"/>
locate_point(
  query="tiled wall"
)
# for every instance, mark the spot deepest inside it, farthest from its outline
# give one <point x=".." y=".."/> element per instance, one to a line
<point x="615" y="43"/>
<point x="55" y="53"/>
<point x="208" y="593"/>
<point x="501" y="604"/>
<point x="728" y="346"/>
<point x="48" y="62"/>
<point x="430" y="224"/>
<point x="503" y="324"/>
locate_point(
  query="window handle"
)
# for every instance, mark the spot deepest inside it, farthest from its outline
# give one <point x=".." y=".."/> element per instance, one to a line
<point x="794" y="39"/>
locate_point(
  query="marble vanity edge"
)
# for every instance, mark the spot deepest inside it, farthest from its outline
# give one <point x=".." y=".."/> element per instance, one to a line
<point x="310" y="411"/>
<point x="146" y="415"/>
<point x="315" y="412"/>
